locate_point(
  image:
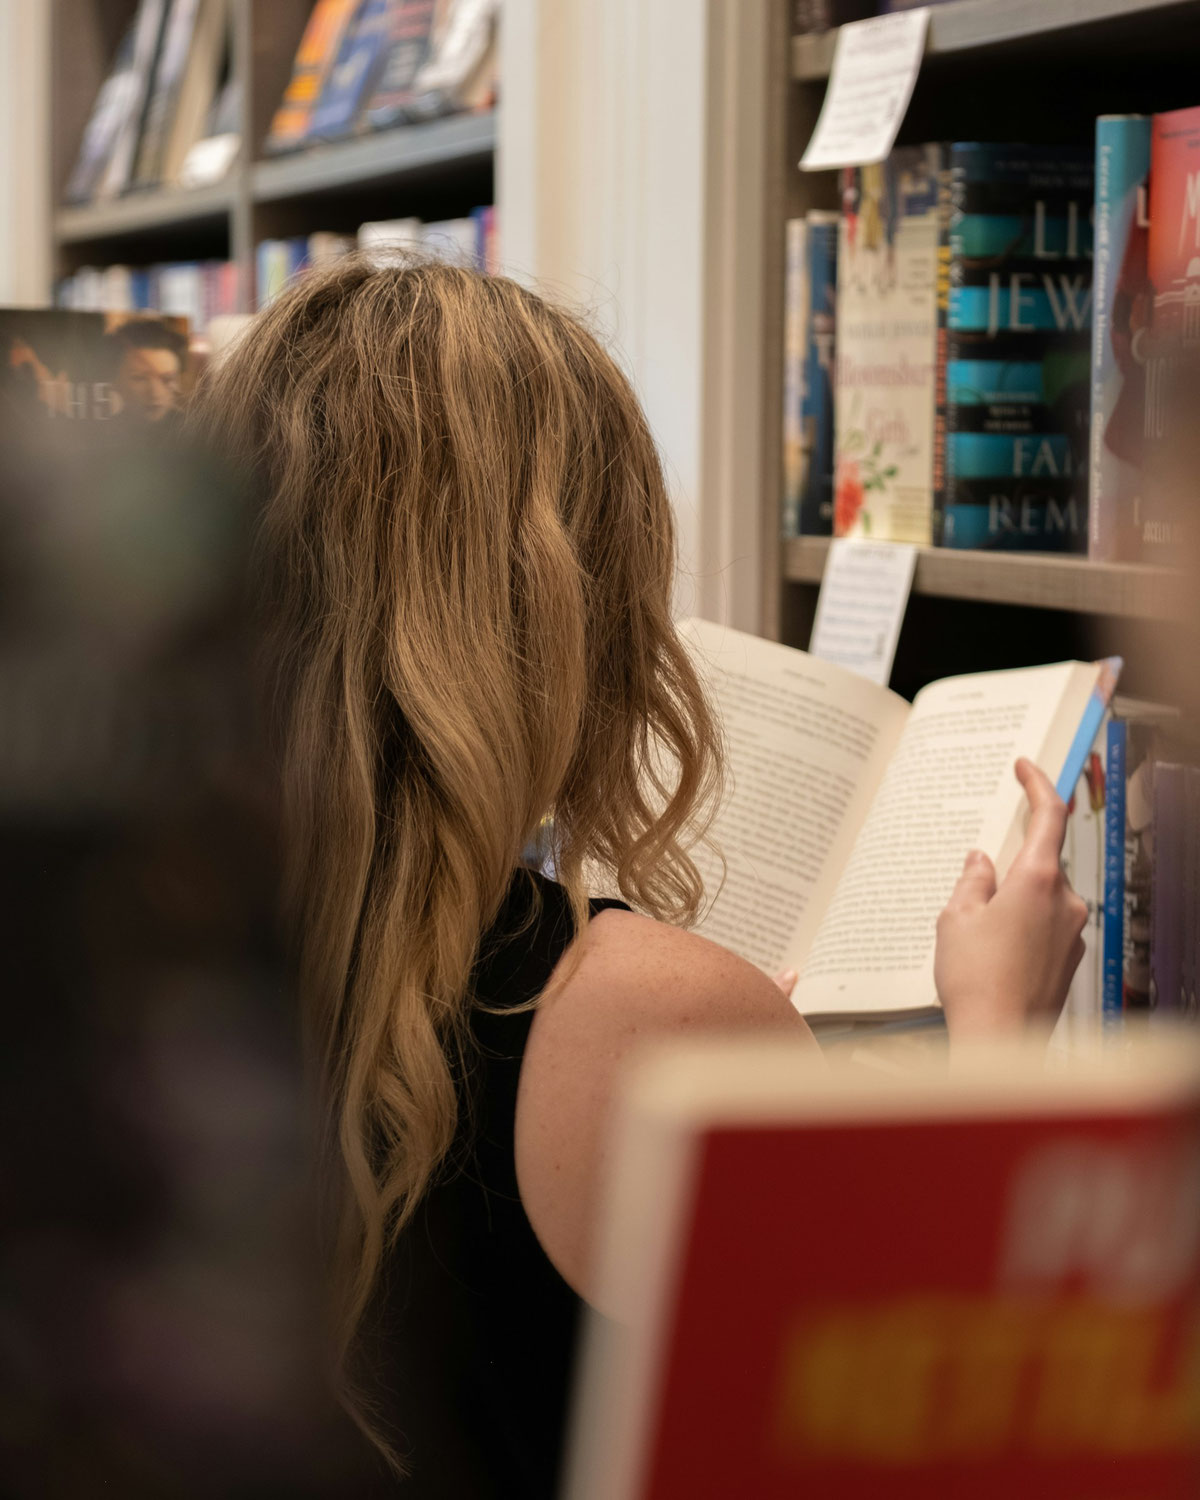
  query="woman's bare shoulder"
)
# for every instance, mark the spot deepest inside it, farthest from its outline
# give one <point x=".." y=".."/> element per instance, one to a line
<point x="627" y="981"/>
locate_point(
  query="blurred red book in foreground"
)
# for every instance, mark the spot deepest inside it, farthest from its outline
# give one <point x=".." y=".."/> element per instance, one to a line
<point x="973" y="1281"/>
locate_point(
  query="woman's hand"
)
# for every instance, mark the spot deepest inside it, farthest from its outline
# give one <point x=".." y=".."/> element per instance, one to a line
<point x="1005" y="956"/>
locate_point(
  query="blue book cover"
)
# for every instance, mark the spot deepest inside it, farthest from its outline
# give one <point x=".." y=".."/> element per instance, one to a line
<point x="1114" y="873"/>
<point x="1121" y="307"/>
<point x="816" y="412"/>
<point x="353" y="74"/>
<point x="1014" y="338"/>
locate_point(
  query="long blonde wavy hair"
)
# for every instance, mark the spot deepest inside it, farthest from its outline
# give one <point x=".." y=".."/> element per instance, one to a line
<point x="467" y="559"/>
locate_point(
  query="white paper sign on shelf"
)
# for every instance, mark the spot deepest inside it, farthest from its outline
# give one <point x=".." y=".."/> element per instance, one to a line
<point x="861" y="606"/>
<point x="875" y="66"/>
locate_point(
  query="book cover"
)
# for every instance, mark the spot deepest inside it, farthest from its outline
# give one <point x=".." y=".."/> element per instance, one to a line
<point x="409" y="43"/>
<point x="460" y="71"/>
<point x="318" y="50"/>
<point x="148" y="30"/>
<point x="1114" y="871"/>
<point x="1017" y="348"/>
<point x="1166" y="887"/>
<point x="121" y="368"/>
<point x="987" y="1287"/>
<point x="1173" y="363"/>
<point x="104" y="123"/>
<point x="1121" y="309"/>
<point x="164" y="93"/>
<point x="795" y="325"/>
<point x="349" y="81"/>
<point x="886" y="336"/>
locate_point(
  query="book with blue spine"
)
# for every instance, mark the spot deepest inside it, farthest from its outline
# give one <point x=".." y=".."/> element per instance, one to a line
<point x="816" y="496"/>
<point x="795" y="331"/>
<point x="1114" y="873"/>
<point x="1014" y="350"/>
<point x="352" y="77"/>
<point x="1121" y="306"/>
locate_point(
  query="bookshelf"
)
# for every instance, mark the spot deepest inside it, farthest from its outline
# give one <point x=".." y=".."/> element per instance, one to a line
<point x="994" y="69"/>
<point x="433" y="170"/>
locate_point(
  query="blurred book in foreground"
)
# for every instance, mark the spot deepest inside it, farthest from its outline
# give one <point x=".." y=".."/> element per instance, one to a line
<point x="968" y="1279"/>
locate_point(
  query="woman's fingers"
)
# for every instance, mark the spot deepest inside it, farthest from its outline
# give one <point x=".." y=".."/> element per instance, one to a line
<point x="976" y="885"/>
<point x="1048" y="818"/>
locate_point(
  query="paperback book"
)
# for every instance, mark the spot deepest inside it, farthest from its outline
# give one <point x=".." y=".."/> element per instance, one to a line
<point x="1014" y="372"/>
<point x="840" y="785"/>
<point x="349" y="81"/>
<point x="886" y="334"/>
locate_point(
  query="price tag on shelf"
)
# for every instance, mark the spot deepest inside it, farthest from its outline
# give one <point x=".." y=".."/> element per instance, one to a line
<point x="875" y="66"/>
<point x="864" y="594"/>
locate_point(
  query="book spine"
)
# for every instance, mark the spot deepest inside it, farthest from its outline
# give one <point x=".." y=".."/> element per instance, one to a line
<point x="1191" y="874"/>
<point x="1166" y="930"/>
<point x="943" y="268"/>
<point x="1114" y="871"/>
<point x="1114" y="440"/>
<point x="352" y="76"/>
<point x="1140" y="750"/>
<point x="1168" y="483"/>
<point x="819" y="352"/>
<point x="318" y="50"/>
<point x="795" y="319"/>
<point x="1018" y="335"/>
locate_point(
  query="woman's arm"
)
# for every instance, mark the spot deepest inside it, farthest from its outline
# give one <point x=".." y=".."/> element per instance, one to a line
<point x="1005" y="957"/>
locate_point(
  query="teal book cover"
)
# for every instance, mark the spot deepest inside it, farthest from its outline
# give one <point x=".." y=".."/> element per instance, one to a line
<point x="1014" y="352"/>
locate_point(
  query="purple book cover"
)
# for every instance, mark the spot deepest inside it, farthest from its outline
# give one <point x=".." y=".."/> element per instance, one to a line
<point x="1167" y="870"/>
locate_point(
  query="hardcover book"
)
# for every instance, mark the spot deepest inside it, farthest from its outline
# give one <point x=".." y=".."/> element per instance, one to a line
<point x="1121" y="308"/>
<point x="168" y="76"/>
<point x="795" y="327"/>
<point x="1171" y="450"/>
<point x="839" y="784"/>
<point x="318" y="50"/>
<point x="850" y="1282"/>
<point x="820" y="356"/>
<point x="117" y="175"/>
<point x="409" y="43"/>
<point x="1015" y="365"/>
<point x="351" y="78"/>
<point x="886" y="334"/>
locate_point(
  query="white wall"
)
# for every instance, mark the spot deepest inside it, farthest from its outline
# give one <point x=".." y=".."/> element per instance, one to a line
<point x="621" y="164"/>
<point x="25" y="272"/>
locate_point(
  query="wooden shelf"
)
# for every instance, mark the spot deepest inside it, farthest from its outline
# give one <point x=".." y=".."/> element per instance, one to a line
<point x="1042" y="581"/>
<point x="968" y="25"/>
<point x="141" y="213"/>
<point x="390" y="156"/>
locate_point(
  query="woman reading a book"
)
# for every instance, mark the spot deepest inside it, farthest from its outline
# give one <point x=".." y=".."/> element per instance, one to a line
<point x="469" y="556"/>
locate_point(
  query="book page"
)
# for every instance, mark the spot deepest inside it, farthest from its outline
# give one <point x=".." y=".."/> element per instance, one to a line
<point x="949" y="788"/>
<point x="808" y="744"/>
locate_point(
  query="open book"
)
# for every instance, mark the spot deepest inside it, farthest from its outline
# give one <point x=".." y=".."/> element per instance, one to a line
<point x="851" y="812"/>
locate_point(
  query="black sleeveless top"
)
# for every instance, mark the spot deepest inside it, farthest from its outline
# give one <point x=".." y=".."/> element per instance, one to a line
<point x="479" y="1331"/>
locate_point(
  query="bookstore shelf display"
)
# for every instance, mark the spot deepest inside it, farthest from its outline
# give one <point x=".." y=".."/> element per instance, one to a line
<point x="189" y="134"/>
<point x="1039" y="581"/>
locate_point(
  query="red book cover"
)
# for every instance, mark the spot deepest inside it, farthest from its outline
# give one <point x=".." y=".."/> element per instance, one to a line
<point x="974" y="1288"/>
